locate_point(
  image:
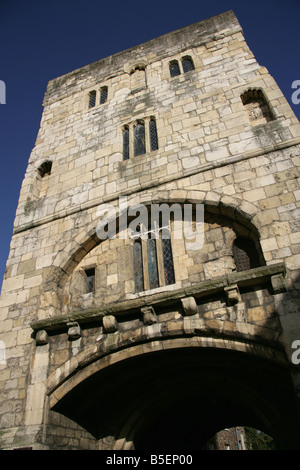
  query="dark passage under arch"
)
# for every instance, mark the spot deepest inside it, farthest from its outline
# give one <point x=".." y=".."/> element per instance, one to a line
<point x="178" y="399"/>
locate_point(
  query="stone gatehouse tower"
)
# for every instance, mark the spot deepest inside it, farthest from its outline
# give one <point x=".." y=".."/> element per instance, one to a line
<point x="141" y="340"/>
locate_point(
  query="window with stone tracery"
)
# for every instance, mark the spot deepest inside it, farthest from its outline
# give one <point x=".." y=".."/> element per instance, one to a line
<point x="140" y="138"/>
<point x="153" y="260"/>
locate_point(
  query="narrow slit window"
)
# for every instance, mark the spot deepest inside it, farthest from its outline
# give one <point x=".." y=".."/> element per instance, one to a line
<point x="152" y="263"/>
<point x="138" y="266"/>
<point x="126" y="143"/>
<point x="92" y="99"/>
<point x="187" y="64"/>
<point x="90" y="280"/>
<point x="103" y="94"/>
<point x="153" y="135"/>
<point x="168" y="261"/>
<point x="139" y="139"/>
<point x="174" y="68"/>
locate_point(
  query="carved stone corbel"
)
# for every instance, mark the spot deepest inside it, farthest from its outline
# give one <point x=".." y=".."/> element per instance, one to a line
<point x="189" y="306"/>
<point x="74" y="331"/>
<point x="41" y="337"/>
<point x="110" y="324"/>
<point x="232" y="294"/>
<point x="149" y="315"/>
<point x="278" y="283"/>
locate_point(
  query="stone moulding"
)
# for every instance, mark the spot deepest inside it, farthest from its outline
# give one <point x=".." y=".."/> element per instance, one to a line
<point x="250" y="277"/>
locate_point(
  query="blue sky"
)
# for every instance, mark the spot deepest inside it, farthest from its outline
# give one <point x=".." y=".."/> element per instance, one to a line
<point x="41" y="40"/>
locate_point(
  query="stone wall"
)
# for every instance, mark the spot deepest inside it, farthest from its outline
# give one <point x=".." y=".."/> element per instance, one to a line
<point x="213" y="149"/>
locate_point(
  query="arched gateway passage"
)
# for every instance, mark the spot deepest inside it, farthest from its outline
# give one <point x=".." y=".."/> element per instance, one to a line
<point x="177" y="399"/>
<point x="167" y="369"/>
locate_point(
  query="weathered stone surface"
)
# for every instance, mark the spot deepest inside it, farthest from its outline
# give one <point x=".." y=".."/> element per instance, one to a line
<point x="74" y="330"/>
<point x="239" y="158"/>
<point x="110" y="324"/>
<point x="232" y="294"/>
<point x="189" y="305"/>
<point x="41" y="337"/>
<point x="149" y="315"/>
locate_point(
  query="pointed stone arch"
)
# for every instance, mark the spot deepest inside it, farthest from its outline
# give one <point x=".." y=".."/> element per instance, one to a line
<point x="86" y="239"/>
<point x="243" y="213"/>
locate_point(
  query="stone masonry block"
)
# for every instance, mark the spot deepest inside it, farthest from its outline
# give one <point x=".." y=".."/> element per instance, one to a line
<point x="149" y="315"/>
<point x="74" y="330"/>
<point x="41" y="337"/>
<point x="110" y="324"/>
<point x="189" y="305"/>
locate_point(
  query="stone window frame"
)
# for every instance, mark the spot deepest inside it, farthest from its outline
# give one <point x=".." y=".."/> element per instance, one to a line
<point x="88" y="273"/>
<point x="43" y="173"/>
<point x="143" y="239"/>
<point x="45" y="168"/>
<point x="128" y="129"/>
<point x="140" y="83"/>
<point x="179" y="61"/>
<point x="256" y="94"/>
<point x="245" y="254"/>
<point x="94" y="98"/>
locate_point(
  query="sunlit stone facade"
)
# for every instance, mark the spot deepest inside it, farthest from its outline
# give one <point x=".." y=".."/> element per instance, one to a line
<point x="189" y="118"/>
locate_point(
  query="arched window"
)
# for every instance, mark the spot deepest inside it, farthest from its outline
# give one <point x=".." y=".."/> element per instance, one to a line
<point x="187" y="64"/>
<point x="174" y="68"/>
<point x="138" y="77"/>
<point x="153" y="135"/>
<point x="245" y="254"/>
<point x="153" y="262"/>
<point x="44" y="172"/>
<point x="139" y="139"/>
<point x="126" y="143"/>
<point x="45" y="168"/>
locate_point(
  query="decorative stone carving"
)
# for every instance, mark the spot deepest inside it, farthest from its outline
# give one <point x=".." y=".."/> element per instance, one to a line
<point x="189" y="305"/>
<point x="74" y="331"/>
<point x="149" y="315"/>
<point x="110" y="324"/>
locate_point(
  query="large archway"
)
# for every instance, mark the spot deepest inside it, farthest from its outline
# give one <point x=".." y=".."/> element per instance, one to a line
<point x="177" y="399"/>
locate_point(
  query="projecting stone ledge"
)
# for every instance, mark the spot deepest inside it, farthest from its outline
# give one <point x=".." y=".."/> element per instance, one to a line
<point x="201" y="289"/>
